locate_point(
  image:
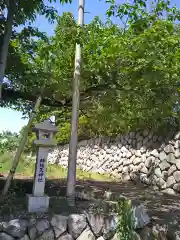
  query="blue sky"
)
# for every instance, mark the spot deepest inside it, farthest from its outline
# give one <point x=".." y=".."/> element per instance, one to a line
<point x="11" y="120"/>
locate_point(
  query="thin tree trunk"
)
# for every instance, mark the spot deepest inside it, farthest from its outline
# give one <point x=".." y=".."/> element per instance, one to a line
<point x="71" y="178"/>
<point x="21" y="146"/>
<point x="6" y="41"/>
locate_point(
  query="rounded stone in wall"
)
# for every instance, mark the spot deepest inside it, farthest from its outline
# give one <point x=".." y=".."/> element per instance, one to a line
<point x="127" y="147"/>
<point x="155" y="138"/>
<point x="127" y="162"/>
<point x="145" y="140"/>
<point x="162" y="156"/>
<point x="114" y="147"/>
<point x="177" y="144"/>
<point x="109" y="151"/>
<point x="125" y="169"/>
<point x="149" y="161"/>
<point x="48" y="234"/>
<point x="135" y="169"/>
<point x="177" y="153"/>
<point x="170" y="181"/>
<point x="144" y="170"/>
<point x="131" y="167"/>
<point x="120" y="168"/>
<point x="124" y="149"/>
<point x="124" y="154"/>
<point x="125" y="177"/>
<point x="176" y="176"/>
<point x="171" y="170"/>
<point x="165" y="175"/>
<point x="154" y="179"/>
<point x="137" y="160"/>
<point x="132" y="158"/>
<point x="143" y="178"/>
<point x="76" y="224"/>
<point x="177" y="136"/>
<point x="169" y="191"/>
<point x="158" y="172"/>
<point x="155" y="153"/>
<point x="176" y="187"/>
<point x="93" y="158"/>
<point x="134" y="143"/>
<point x="140" y="138"/>
<point x="138" y="153"/>
<point x="171" y="158"/>
<point x="145" y="133"/>
<point x="139" y="144"/>
<point x="143" y="150"/>
<point x="129" y="154"/>
<point x="64" y="159"/>
<point x="134" y="176"/>
<point x="161" y="183"/>
<point x="5" y="236"/>
<point x="150" y="135"/>
<point x="178" y="164"/>
<point x="16" y="227"/>
<point x="164" y="165"/>
<point x="123" y="141"/>
<point x="169" y="148"/>
<point x="149" y="144"/>
<point x="132" y="135"/>
<point x="119" y="145"/>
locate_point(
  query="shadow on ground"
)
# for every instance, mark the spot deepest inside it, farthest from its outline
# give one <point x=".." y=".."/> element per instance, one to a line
<point x="163" y="208"/>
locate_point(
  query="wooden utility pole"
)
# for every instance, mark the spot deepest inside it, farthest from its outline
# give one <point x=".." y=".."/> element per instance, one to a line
<point x="71" y="178"/>
<point x="21" y="147"/>
<point x="6" y="40"/>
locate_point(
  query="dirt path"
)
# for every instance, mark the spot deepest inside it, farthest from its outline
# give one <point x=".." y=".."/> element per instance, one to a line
<point x="163" y="208"/>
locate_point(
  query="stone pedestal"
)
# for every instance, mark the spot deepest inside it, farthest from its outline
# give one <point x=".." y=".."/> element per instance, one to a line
<point x="38" y="201"/>
<point x="37" y="204"/>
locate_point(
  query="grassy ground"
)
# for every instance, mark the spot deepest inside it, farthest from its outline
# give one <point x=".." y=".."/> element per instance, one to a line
<point x="164" y="209"/>
<point x="55" y="187"/>
<point x="26" y="169"/>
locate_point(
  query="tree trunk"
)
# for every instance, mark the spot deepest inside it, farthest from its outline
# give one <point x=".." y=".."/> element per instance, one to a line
<point x="71" y="178"/>
<point x="21" y="147"/>
<point x="6" y="41"/>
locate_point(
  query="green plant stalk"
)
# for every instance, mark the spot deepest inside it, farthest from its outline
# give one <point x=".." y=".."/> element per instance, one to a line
<point x="125" y="226"/>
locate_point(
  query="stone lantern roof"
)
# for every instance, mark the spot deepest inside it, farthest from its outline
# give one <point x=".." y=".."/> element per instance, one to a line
<point x="45" y="126"/>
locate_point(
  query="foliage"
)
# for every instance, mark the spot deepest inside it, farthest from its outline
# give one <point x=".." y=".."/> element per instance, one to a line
<point x="125" y="226"/>
<point x="129" y="75"/>
<point x="24" y="13"/>
<point x="139" y="14"/>
<point x="8" y="141"/>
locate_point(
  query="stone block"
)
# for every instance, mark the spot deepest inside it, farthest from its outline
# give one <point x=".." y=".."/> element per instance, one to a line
<point x="76" y="224"/>
<point x="170" y="181"/>
<point x="37" y="204"/>
<point x="141" y="217"/>
<point x="16" y="228"/>
<point x="176" y="176"/>
<point x="86" y="234"/>
<point x="171" y="170"/>
<point x="59" y="223"/>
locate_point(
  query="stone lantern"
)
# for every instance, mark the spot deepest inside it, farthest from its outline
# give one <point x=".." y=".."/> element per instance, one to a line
<point x="45" y="131"/>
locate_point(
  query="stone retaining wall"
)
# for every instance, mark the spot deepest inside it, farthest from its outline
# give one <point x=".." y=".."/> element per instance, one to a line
<point x="152" y="159"/>
<point x="60" y="227"/>
<point x="80" y="227"/>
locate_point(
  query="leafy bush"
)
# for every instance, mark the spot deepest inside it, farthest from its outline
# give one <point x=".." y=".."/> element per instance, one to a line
<point x="8" y="141"/>
<point x="125" y="226"/>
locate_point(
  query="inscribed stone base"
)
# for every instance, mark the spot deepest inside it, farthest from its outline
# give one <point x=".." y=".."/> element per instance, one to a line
<point x="37" y="204"/>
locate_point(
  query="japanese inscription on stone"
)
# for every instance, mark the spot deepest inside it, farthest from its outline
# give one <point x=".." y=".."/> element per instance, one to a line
<point x="41" y="170"/>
